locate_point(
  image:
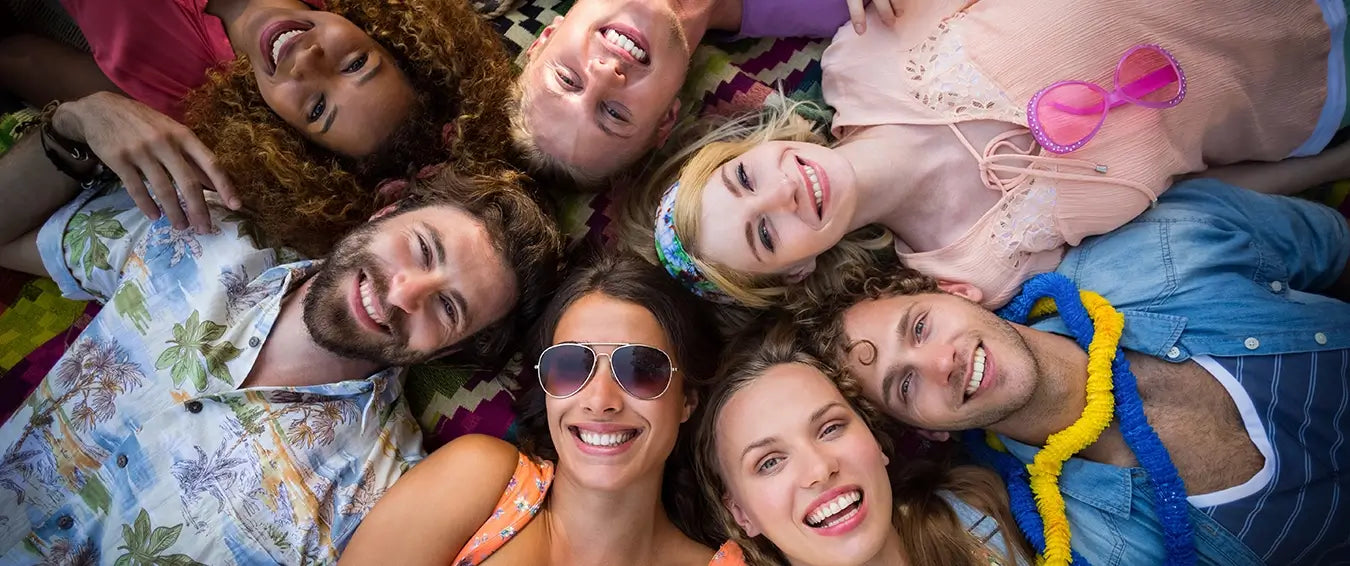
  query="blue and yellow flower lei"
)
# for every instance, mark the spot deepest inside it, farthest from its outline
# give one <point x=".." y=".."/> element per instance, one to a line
<point x="1037" y="503"/>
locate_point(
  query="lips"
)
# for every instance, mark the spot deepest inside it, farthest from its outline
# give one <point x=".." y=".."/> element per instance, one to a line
<point x="626" y="42"/>
<point x="274" y="47"/>
<point x="603" y="439"/>
<point x="815" y="183"/>
<point x="837" y="511"/>
<point x="366" y="306"/>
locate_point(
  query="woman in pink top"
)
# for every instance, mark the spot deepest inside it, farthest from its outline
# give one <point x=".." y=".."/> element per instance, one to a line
<point x="602" y="473"/>
<point x="934" y="144"/>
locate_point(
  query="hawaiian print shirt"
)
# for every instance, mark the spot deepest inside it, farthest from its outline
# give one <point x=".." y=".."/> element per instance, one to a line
<point x="140" y="448"/>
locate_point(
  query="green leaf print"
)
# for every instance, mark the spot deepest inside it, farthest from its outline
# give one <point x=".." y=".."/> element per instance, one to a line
<point x="196" y="351"/>
<point x="144" y="545"/>
<point x="130" y="304"/>
<point x="85" y="234"/>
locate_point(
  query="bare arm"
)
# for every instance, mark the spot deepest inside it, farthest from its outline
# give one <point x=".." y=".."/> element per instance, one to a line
<point x="1288" y="176"/>
<point x="40" y="70"/>
<point x="22" y="255"/>
<point x="433" y="511"/>
<point x="31" y="188"/>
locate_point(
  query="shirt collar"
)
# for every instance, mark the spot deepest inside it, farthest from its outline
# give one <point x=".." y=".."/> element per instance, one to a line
<point x="1099" y="485"/>
<point x="1145" y="332"/>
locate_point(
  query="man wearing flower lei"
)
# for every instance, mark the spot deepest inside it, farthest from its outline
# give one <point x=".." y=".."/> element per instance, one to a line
<point x="1193" y="407"/>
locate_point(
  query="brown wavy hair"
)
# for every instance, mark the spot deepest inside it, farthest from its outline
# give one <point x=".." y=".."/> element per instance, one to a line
<point x="929" y="529"/>
<point x="307" y="196"/>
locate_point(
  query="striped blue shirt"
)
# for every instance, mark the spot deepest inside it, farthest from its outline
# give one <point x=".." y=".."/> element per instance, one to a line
<point x="1296" y="510"/>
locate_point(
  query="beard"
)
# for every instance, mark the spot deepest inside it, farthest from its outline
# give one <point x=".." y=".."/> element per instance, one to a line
<point x="1019" y="392"/>
<point x="328" y="315"/>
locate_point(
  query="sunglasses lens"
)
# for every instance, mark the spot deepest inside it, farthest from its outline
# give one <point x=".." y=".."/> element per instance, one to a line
<point x="563" y="369"/>
<point x="1071" y="112"/>
<point x="642" y="370"/>
<point x="1149" y="76"/>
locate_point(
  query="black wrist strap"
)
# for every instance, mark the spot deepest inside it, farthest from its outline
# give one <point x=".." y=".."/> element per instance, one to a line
<point x="70" y="157"/>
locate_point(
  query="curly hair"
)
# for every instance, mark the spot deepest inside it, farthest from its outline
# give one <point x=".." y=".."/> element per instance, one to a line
<point x="307" y="196"/>
<point x="823" y="318"/>
<point x="692" y="331"/>
<point x="929" y="528"/>
<point x="694" y="165"/>
<point x="526" y="238"/>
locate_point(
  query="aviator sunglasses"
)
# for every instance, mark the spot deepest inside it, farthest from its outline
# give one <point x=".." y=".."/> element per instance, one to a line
<point x="642" y="371"/>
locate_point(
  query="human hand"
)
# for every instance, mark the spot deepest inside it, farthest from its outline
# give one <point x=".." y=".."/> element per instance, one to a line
<point x="888" y="10"/>
<point x="141" y="145"/>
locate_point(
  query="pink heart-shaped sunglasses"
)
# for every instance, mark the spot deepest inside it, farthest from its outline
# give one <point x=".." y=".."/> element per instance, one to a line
<point x="1066" y="115"/>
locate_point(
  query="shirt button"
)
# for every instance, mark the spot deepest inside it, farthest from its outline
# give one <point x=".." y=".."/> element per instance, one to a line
<point x="1174" y="353"/>
<point x="1276" y="286"/>
<point x="1321" y="338"/>
<point x="196" y="406"/>
<point x="253" y="342"/>
<point x="65" y="522"/>
<point x="121" y="460"/>
<point x="1251" y="343"/>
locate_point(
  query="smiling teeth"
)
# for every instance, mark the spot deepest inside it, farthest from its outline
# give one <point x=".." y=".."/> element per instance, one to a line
<point x="368" y="301"/>
<point x="627" y="44"/>
<point x="832" y="508"/>
<point x="977" y="372"/>
<point x="606" y="439"/>
<point x="815" y="186"/>
<point x="280" y="42"/>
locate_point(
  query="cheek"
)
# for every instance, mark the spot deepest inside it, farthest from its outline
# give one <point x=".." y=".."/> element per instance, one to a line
<point x="281" y="98"/>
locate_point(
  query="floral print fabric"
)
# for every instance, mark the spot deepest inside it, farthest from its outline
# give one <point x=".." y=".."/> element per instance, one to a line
<point x="139" y="447"/>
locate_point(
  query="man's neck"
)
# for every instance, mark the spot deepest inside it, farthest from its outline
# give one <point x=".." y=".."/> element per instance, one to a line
<point x="1060" y="394"/>
<point x="698" y="16"/>
<point x="291" y="358"/>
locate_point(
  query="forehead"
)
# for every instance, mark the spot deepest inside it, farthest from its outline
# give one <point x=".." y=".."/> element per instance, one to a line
<point x="596" y="317"/>
<point x="781" y="400"/>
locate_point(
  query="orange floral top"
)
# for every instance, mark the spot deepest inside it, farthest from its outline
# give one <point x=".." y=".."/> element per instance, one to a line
<point x="519" y="504"/>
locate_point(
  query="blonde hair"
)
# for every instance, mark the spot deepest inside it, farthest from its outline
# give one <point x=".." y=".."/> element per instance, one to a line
<point x="929" y="529"/>
<point x="693" y="166"/>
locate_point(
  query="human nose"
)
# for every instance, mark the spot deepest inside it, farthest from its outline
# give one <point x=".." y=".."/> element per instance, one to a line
<point x="818" y="466"/>
<point x="606" y="70"/>
<point x="307" y="60"/>
<point x="602" y="394"/>
<point x="936" y="361"/>
<point x="409" y="290"/>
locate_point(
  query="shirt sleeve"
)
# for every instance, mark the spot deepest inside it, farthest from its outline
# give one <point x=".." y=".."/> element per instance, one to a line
<point x="86" y="244"/>
<point x="792" y="18"/>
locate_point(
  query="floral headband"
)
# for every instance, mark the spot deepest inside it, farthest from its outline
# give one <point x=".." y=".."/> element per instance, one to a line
<point x="675" y="259"/>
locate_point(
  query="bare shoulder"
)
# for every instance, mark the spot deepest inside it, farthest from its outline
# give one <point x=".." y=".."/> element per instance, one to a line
<point x="433" y="510"/>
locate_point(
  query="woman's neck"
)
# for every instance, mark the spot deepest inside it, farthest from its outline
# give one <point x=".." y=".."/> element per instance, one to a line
<point x="587" y="526"/>
<point x="892" y="185"/>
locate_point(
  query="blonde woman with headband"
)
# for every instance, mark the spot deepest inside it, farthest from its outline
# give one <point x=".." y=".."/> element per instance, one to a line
<point x="985" y="149"/>
<point x="796" y="475"/>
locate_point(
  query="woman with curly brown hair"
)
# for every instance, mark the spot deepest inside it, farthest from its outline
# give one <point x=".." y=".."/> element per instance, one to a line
<point x="316" y="107"/>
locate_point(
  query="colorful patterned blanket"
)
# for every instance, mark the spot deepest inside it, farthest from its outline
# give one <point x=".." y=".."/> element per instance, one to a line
<point x="36" y="324"/>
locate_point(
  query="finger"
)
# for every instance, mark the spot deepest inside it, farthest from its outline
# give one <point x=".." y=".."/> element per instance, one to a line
<point x="205" y="160"/>
<point x="857" y="15"/>
<point x="165" y="193"/>
<point x="131" y="180"/>
<point x="885" y="10"/>
<point x="186" y="176"/>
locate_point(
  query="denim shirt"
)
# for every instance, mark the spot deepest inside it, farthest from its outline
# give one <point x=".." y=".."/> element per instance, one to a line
<point x="1212" y="270"/>
<point x="1217" y="270"/>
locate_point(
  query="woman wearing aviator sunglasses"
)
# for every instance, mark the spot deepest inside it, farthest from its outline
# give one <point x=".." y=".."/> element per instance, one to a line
<point x="600" y="476"/>
<point x="985" y="136"/>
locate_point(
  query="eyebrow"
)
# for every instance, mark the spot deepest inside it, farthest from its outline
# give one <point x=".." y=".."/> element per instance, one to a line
<point x="750" y="241"/>
<point x="821" y="411"/>
<point x="600" y="121"/>
<point x="329" y="122"/>
<point x="758" y="444"/>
